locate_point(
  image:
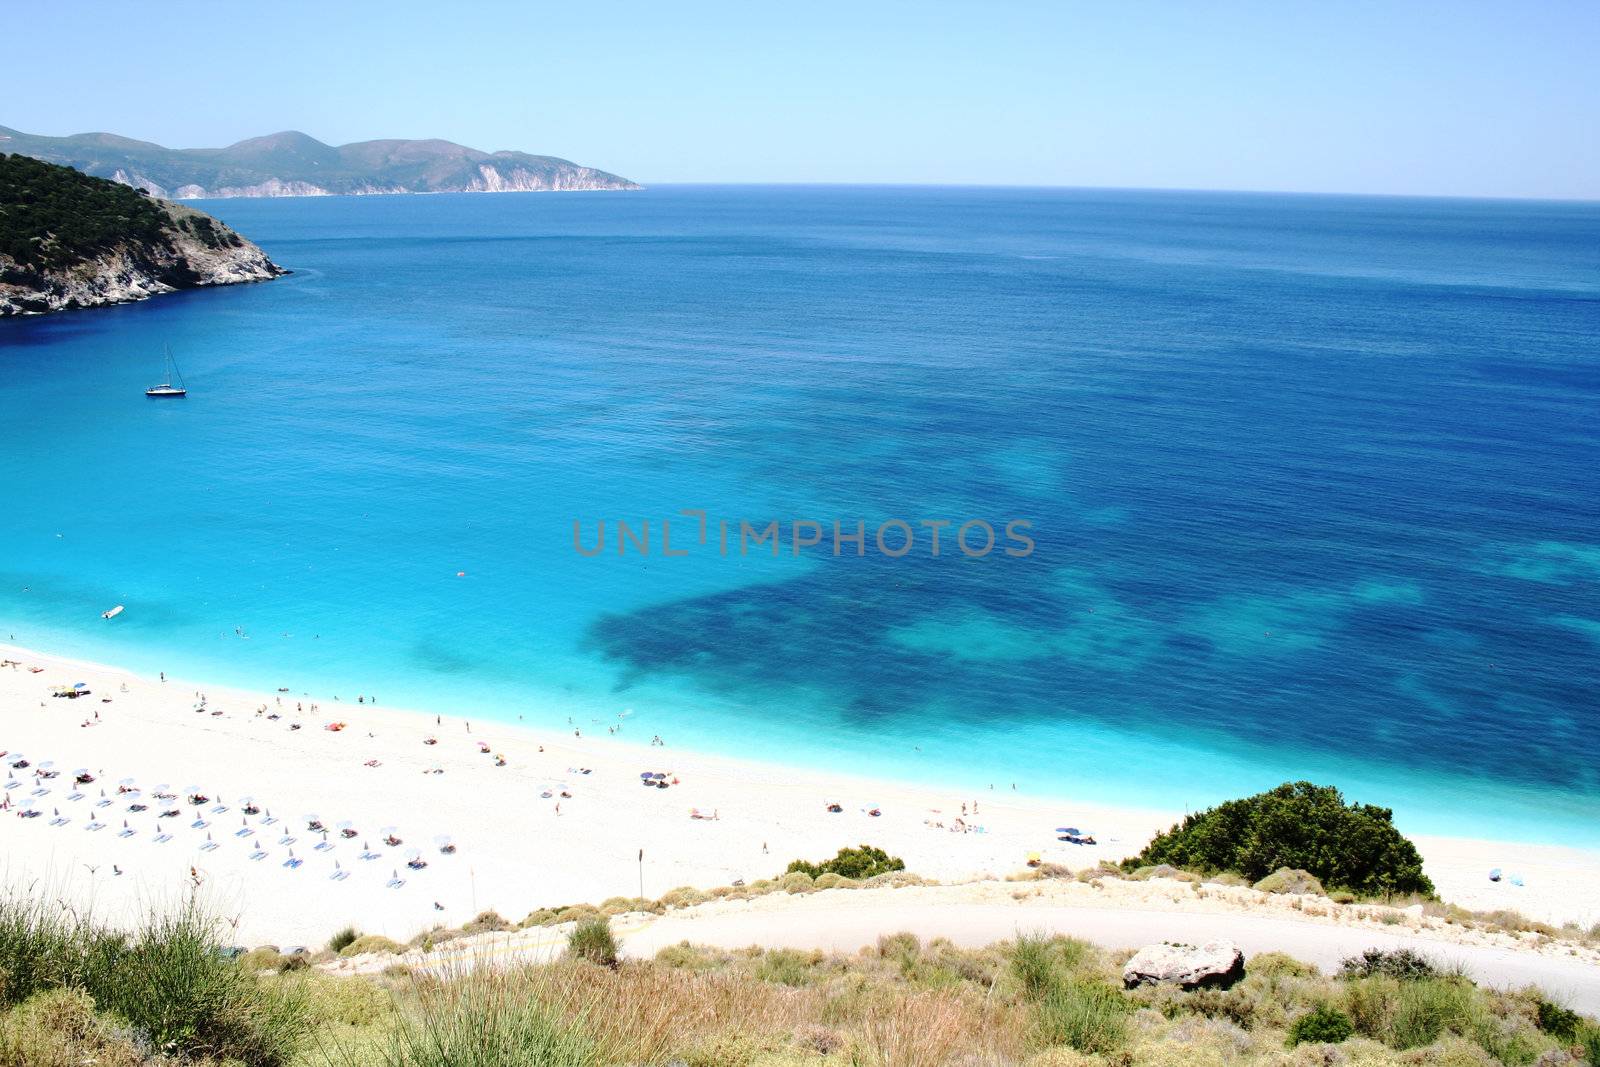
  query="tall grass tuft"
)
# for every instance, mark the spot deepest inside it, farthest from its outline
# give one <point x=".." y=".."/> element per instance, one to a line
<point x="1040" y="961"/>
<point x="170" y="981"/>
<point x="487" y="1018"/>
<point x="1089" y="1016"/>
<point x="343" y="939"/>
<point x="1426" y="1009"/>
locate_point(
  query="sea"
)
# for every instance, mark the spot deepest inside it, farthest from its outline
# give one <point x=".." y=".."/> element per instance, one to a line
<point x="1231" y="489"/>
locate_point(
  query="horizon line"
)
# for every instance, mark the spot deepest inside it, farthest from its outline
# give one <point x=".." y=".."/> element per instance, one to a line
<point x="801" y="183"/>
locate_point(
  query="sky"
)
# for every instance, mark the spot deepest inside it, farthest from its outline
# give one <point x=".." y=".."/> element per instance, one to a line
<point x="1455" y="97"/>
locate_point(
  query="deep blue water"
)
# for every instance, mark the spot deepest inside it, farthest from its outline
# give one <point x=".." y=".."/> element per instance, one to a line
<point x="1312" y="481"/>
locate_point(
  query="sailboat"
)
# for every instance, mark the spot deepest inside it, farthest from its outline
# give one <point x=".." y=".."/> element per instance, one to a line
<point x="166" y="388"/>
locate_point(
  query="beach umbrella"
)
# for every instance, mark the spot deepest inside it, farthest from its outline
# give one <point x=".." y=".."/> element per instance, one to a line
<point x="45" y="765"/>
<point x="79" y="685"/>
<point x="344" y="824"/>
<point x="125" y="782"/>
<point x="1068" y="830"/>
<point x="646" y="774"/>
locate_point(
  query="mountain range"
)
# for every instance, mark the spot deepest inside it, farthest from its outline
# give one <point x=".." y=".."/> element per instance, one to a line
<point x="295" y="164"/>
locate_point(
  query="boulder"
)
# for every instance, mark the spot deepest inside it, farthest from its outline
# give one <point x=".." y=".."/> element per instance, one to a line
<point x="1213" y="964"/>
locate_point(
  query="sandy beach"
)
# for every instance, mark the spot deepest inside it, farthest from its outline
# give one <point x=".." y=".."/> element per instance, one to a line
<point x="535" y="817"/>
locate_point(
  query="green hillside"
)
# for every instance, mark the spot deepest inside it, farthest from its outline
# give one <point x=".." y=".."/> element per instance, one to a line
<point x="52" y="216"/>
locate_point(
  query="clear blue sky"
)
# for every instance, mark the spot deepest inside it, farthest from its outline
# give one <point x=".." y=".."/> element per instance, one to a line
<point x="1456" y="97"/>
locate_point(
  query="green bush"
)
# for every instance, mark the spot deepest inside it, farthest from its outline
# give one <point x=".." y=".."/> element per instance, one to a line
<point x="1297" y="825"/>
<point x="1558" y="1022"/>
<point x="1398" y="963"/>
<point x="1321" y="1026"/>
<point x="341" y="940"/>
<point x="785" y="966"/>
<point x="863" y="862"/>
<point x="593" y="940"/>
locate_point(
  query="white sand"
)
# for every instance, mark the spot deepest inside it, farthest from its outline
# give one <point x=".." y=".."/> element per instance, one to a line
<point x="514" y="851"/>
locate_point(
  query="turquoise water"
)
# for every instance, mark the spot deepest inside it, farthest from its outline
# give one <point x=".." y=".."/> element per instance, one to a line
<point x="1311" y="482"/>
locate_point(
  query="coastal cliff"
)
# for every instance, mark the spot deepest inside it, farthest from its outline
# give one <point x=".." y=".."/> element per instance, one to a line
<point x="71" y="241"/>
<point x="294" y="164"/>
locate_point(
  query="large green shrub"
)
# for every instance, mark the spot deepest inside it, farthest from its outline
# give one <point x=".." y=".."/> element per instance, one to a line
<point x="593" y="940"/>
<point x="1322" y="1025"/>
<point x="863" y="862"/>
<point x="1297" y="825"/>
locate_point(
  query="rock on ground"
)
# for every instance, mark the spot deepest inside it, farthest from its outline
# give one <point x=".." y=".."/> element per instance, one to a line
<point x="1215" y="963"/>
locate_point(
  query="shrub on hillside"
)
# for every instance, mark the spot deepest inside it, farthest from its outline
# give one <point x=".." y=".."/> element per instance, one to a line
<point x="1288" y="880"/>
<point x="487" y="922"/>
<point x="1297" y="825"/>
<point x="863" y="862"/>
<point x="1559" y="1022"/>
<point x="593" y="940"/>
<point x="1321" y="1026"/>
<point x="368" y="943"/>
<point x="1398" y="963"/>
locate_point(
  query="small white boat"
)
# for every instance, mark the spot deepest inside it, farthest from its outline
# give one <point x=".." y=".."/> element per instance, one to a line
<point x="166" y="388"/>
<point x="113" y="613"/>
